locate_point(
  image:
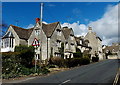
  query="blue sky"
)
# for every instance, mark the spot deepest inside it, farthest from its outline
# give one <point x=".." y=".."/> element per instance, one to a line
<point x="26" y="12"/>
<point x="86" y="13"/>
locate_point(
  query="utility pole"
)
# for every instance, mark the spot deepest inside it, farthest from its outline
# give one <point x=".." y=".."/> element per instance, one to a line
<point x="40" y="38"/>
<point x="41" y="17"/>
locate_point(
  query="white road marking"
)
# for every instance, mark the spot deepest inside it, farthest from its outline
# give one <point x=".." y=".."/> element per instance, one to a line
<point x="65" y="82"/>
<point x="116" y="78"/>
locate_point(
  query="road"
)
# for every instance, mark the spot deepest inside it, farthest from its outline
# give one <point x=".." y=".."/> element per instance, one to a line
<point x="102" y="72"/>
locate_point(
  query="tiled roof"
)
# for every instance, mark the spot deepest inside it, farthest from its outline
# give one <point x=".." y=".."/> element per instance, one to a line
<point x="22" y="33"/>
<point x="49" y="28"/>
<point x="66" y="32"/>
<point x="110" y="48"/>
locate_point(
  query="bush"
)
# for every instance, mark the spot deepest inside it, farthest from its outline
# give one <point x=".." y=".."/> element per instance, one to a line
<point x="26" y="55"/>
<point x="85" y="61"/>
<point x="25" y="71"/>
<point x="78" y="53"/>
<point x="57" y="61"/>
<point x="44" y="70"/>
<point x="77" y="61"/>
<point x="51" y="66"/>
<point x="95" y="59"/>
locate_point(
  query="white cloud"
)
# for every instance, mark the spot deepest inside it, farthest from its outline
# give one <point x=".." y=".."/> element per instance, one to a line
<point x="105" y="27"/>
<point x="108" y="25"/>
<point x="30" y="26"/>
<point x="79" y="29"/>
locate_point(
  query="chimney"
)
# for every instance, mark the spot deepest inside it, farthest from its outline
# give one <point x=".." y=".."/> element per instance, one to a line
<point x="37" y="20"/>
<point x="89" y="29"/>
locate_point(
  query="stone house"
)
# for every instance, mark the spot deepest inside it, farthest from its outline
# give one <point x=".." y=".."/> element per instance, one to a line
<point x="95" y="42"/>
<point x="70" y="43"/>
<point x="46" y="40"/>
<point x="83" y="45"/>
<point x="15" y="36"/>
<point x="113" y="49"/>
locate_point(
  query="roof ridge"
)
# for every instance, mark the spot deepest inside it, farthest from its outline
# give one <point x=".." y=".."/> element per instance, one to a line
<point x="52" y="23"/>
<point x="21" y="27"/>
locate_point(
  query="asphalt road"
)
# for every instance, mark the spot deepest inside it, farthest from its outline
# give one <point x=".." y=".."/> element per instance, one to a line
<point x="99" y="73"/>
<point x="102" y="72"/>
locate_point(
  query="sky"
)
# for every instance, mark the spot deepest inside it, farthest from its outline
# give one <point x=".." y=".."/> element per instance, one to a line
<point x="101" y="16"/>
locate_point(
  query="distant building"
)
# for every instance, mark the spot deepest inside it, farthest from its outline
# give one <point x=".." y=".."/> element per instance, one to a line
<point x="95" y="42"/>
<point x="113" y="50"/>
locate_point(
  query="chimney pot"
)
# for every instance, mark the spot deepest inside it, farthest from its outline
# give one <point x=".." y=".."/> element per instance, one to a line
<point x="37" y="20"/>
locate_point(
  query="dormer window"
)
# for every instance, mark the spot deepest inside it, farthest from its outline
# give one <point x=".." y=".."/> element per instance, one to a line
<point x="58" y="43"/>
<point x="58" y="32"/>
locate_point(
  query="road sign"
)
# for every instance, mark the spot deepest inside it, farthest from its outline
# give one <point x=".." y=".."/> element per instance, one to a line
<point x="35" y="42"/>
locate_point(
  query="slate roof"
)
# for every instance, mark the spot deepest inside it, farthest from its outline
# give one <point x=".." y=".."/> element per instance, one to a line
<point x="49" y="28"/>
<point x="66" y="32"/>
<point x="22" y="33"/>
<point x="25" y="33"/>
<point x="8" y="35"/>
<point x="110" y="48"/>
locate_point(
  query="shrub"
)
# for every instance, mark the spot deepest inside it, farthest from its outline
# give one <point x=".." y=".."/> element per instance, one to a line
<point x="10" y="63"/>
<point x="44" y="70"/>
<point x="26" y="55"/>
<point x="78" y="53"/>
<point x="85" y="61"/>
<point x="57" y="61"/>
<point x="51" y="66"/>
<point x="25" y="71"/>
<point x="95" y="59"/>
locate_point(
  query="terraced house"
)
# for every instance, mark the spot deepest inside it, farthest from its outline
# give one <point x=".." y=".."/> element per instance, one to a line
<point x="46" y="38"/>
<point x="50" y="40"/>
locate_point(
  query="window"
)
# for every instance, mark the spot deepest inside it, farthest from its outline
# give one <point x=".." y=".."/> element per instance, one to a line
<point x="80" y="41"/>
<point x="2" y="44"/>
<point x="37" y="56"/>
<point x="58" y="43"/>
<point x="67" y="46"/>
<point x="58" y="32"/>
<point x="72" y="36"/>
<point x="7" y="42"/>
<point x="37" y="32"/>
<point x="12" y="43"/>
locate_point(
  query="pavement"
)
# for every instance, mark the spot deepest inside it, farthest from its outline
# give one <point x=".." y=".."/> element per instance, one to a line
<point x="101" y="73"/>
